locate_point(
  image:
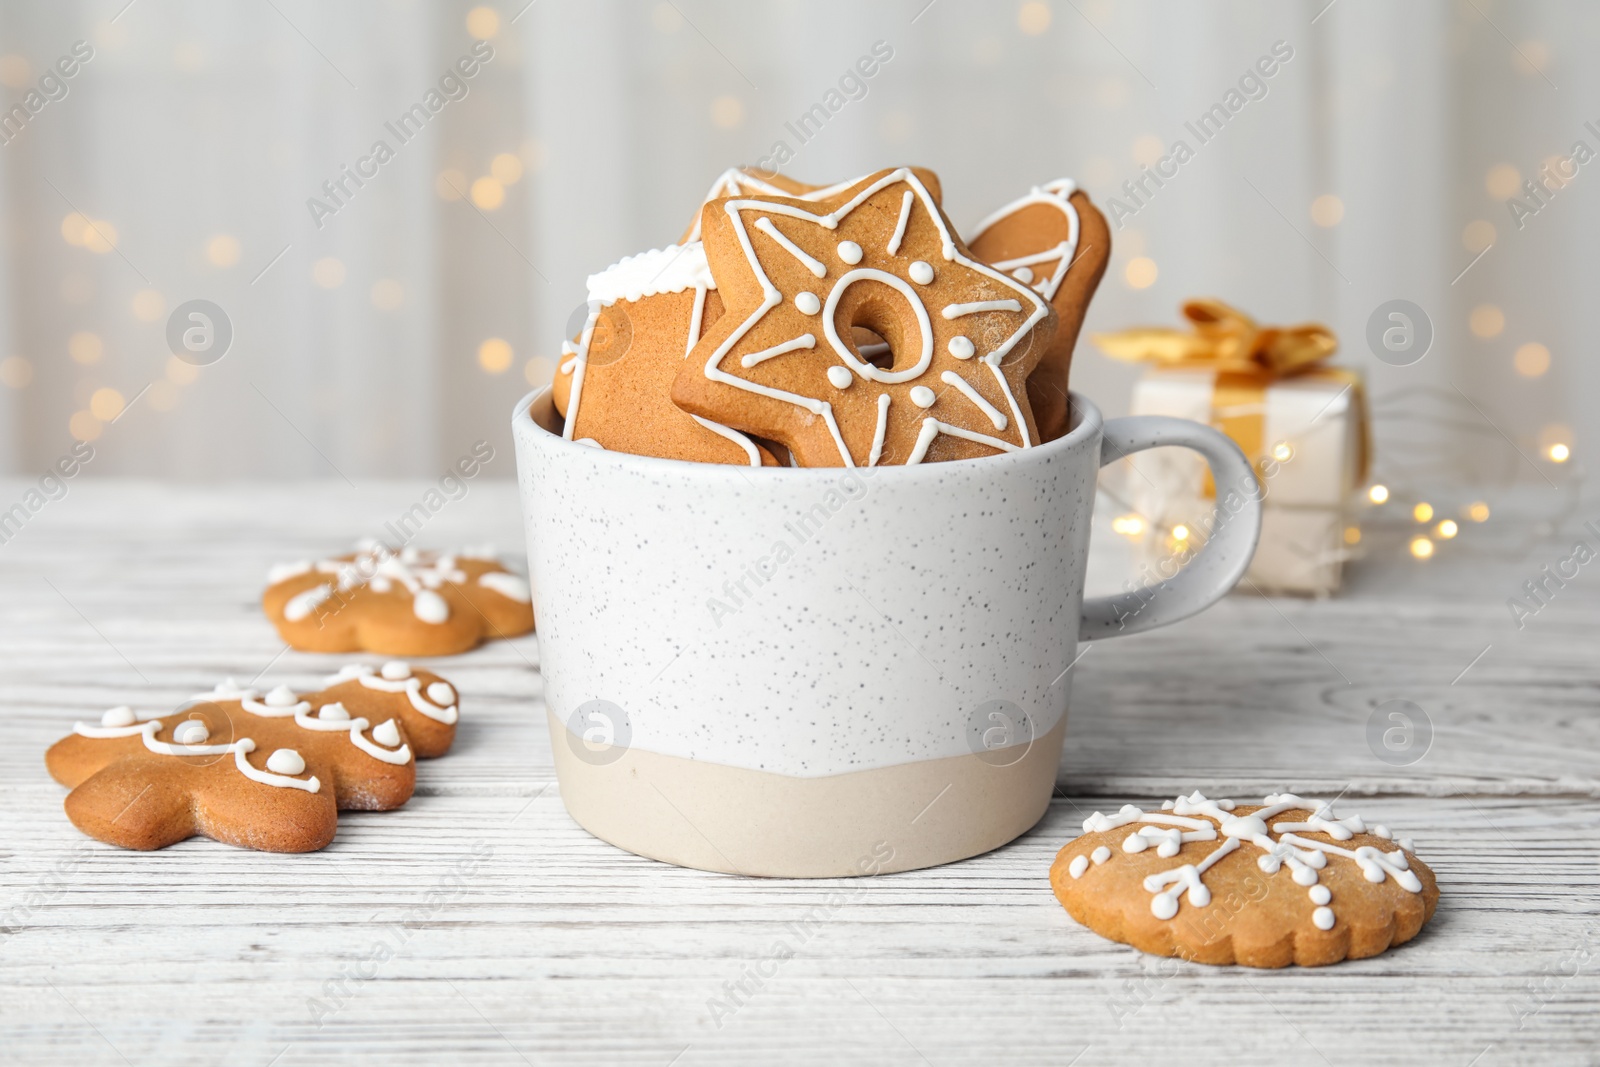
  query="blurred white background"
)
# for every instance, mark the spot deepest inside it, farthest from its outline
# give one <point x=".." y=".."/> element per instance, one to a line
<point x="179" y="163"/>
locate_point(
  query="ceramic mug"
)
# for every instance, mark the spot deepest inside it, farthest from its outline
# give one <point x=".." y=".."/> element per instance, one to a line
<point x="825" y="672"/>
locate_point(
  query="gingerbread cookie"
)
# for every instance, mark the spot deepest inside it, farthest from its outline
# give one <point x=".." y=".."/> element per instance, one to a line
<point x="798" y="277"/>
<point x="406" y="603"/>
<point x="1265" y="886"/>
<point x="751" y="181"/>
<point x="265" y="772"/>
<point x="1055" y="240"/>
<point x="614" y="385"/>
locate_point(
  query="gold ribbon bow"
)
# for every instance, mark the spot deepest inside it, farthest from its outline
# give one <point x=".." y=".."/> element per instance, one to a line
<point x="1246" y="358"/>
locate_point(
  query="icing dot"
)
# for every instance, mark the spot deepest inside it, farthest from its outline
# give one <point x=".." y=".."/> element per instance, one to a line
<point x="1163" y="906"/>
<point x="1100" y="855"/>
<point x="807" y="303"/>
<point x="1320" y="894"/>
<point x="1305" y="876"/>
<point x="281" y="697"/>
<point x="409" y="555"/>
<point x="1383" y="832"/>
<point x="850" y="252"/>
<point x="1323" y="917"/>
<point x="1078" y="865"/>
<point x="1023" y="274"/>
<point x="122" y="716"/>
<point x="921" y="273"/>
<point x="430" y="607"/>
<point x="961" y="347"/>
<point x="1135" y="842"/>
<point x="334" y="712"/>
<point x="922" y="396"/>
<point x="396" y="670"/>
<point x="380" y="584"/>
<point x="840" y="377"/>
<point x="286" y="761"/>
<point x="190" y="732"/>
<point x="387" y="733"/>
<point x="441" y="694"/>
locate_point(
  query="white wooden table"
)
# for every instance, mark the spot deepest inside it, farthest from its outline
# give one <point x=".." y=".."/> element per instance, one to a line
<point x="480" y="923"/>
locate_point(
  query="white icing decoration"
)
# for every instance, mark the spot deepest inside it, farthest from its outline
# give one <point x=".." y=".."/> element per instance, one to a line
<point x="735" y="182"/>
<point x="733" y="435"/>
<point x="1189" y="819"/>
<point x="807" y="304"/>
<point x="1056" y="194"/>
<point x="430" y="607"/>
<point x="387" y="733"/>
<point x="286" y="761"/>
<point x="921" y="272"/>
<point x="122" y="716"/>
<point x="815" y="266"/>
<point x="922" y="396"/>
<point x="244" y="746"/>
<point x="850" y="252"/>
<point x="840" y="377"/>
<point x="1100" y="855"/>
<point x="660" y="270"/>
<point x="511" y="586"/>
<point x="1023" y="274"/>
<point x="302" y="604"/>
<point x="879" y="431"/>
<point x="996" y="417"/>
<point x="772" y="297"/>
<point x="955" y="311"/>
<point x="396" y="670"/>
<point x="1078" y="865"/>
<point x="410" y="686"/>
<point x="333" y="716"/>
<point x="567" y="364"/>
<point x="961" y="347"/>
<point x="191" y="732"/>
<point x="281" y="697"/>
<point x="794" y="345"/>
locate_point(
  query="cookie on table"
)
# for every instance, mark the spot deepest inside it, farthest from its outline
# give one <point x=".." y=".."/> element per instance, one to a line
<point x="265" y="772"/>
<point x="613" y="386"/>
<point x="406" y="603"/>
<point x="1260" y="885"/>
<point x="798" y="278"/>
<point x="1055" y="240"/>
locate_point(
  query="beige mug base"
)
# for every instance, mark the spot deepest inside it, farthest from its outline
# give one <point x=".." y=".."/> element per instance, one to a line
<point x="715" y="817"/>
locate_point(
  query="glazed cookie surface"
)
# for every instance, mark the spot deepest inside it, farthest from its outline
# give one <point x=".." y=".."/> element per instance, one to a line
<point x="799" y="279"/>
<point x="406" y="603"/>
<point x="1263" y="886"/>
<point x="1055" y="240"/>
<point x="268" y="772"/>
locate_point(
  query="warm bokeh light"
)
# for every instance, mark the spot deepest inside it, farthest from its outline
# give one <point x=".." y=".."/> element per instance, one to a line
<point x="1180" y="532"/>
<point x="483" y="22"/>
<point x="1033" y="18"/>
<point x="727" y="112"/>
<point x="506" y="168"/>
<point x="1141" y="272"/>
<point x="328" y="272"/>
<point x="388" y="294"/>
<point x="450" y="184"/>
<point x="1352" y="535"/>
<point x="1148" y="150"/>
<point x="74" y="228"/>
<point x="1327" y="210"/>
<point x="148" y="305"/>
<point x="494" y="355"/>
<point x="223" y="250"/>
<point x="1447" y="529"/>
<point x="1478" y="512"/>
<point x="15" y="372"/>
<point x="1477" y="235"/>
<point x="15" y="71"/>
<point x="1128" y="525"/>
<point x="488" y="194"/>
<point x="83" y="426"/>
<point x="1421" y="547"/>
<point x="85" y="347"/>
<point x="1422" y="512"/>
<point x="180" y="372"/>
<point x="1503" y="181"/>
<point x="1559" y="453"/>
<point x="100" y="237"/>
<point x="1532" y="359"/>
<point x="1531" y="57"/>
<point x="1378" y="494"/>
<point x="106" y="404"/>
<point x="1282" y="452"/>
<point x="1486" y="321"/>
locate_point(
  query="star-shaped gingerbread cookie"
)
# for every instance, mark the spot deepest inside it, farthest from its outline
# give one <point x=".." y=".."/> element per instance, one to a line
<point x="753" y="181"/>
<point x="1055" y="240"/>
<point x="405" y="603"/>
<point x="266" y="772"/>
<point x="798" y="278"/>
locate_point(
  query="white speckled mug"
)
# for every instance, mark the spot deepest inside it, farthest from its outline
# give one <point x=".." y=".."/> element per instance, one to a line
<point x="824" y="672"/>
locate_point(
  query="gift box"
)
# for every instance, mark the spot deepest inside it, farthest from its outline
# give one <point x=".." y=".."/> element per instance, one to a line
<point x="1303" y="425"/>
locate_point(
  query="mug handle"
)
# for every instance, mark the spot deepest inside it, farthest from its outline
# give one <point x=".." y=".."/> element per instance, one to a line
<point x="1217" y="567"/>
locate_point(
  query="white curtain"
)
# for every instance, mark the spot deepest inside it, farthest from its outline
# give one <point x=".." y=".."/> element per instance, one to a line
<point x="195" y="123"/>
